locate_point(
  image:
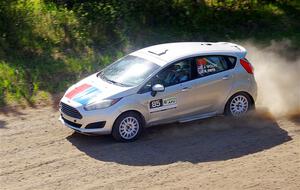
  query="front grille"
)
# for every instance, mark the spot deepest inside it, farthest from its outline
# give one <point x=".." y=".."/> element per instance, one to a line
<point x="96" y="125"/>
<point x="70" y="111"/>
<point x="76" y="125"/>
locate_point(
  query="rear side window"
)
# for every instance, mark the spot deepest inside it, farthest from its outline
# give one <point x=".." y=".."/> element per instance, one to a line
<point x="208" y="65"/>
<point x="230" y="61"/>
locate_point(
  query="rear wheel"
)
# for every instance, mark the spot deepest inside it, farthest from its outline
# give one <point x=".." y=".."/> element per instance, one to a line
<point x="128" y="127"/>
<point x="238" y="105"/>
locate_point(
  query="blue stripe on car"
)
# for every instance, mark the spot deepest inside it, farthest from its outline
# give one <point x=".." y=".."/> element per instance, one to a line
<point x="84" y="97"/>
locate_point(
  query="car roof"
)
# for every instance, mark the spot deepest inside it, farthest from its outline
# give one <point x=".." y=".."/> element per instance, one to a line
<point x="165" y="53"/>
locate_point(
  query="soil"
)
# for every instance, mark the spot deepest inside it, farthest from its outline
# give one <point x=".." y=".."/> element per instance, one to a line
<point x="258" y="151"/>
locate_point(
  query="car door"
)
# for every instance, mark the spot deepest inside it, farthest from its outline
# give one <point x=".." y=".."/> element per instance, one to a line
<point x="167" y="105"/>
<point x="214" y="78"/>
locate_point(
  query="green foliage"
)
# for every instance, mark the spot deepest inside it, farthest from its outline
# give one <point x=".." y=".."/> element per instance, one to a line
<point x="47" y="45"/>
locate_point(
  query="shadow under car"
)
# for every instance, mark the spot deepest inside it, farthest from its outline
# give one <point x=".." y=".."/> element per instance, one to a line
<point x="213" y="139"/>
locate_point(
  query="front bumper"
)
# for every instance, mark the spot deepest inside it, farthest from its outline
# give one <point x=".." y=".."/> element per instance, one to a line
<point x="99" y="131"/>
<point x="91" y="122"/>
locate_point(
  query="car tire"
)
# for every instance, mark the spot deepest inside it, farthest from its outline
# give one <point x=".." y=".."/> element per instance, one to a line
<point x="238" y="105"/>
<point x="128" y="127"/>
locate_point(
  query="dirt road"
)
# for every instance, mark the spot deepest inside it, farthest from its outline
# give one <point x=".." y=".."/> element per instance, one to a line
<point x="256" y="152"/>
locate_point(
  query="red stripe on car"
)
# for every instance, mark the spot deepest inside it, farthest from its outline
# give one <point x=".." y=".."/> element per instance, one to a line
<point x="77" y="90"/>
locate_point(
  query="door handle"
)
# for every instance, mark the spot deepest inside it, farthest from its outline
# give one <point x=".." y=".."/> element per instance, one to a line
<point x="185" y="88"/>
<point x="226" y="77"/>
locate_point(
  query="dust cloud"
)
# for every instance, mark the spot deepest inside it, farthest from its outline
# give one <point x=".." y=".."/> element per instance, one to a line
<point x="277" y="72"/>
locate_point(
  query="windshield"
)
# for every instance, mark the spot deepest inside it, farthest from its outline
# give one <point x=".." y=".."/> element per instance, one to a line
<point x="128" y="71"/>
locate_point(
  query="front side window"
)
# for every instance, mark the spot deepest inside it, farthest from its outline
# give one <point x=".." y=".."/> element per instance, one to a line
<point x="128" y="71"/>
<point x="176" y="73"/>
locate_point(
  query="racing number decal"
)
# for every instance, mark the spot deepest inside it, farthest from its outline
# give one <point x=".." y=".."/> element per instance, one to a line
<point x="156" y="103"/>
<point x="162" y="104"/>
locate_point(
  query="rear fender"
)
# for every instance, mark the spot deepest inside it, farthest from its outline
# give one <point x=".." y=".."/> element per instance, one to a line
<point x="238" y="87"/>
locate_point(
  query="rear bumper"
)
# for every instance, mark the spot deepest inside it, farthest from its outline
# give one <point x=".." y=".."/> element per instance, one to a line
<point x="253" y="89"/>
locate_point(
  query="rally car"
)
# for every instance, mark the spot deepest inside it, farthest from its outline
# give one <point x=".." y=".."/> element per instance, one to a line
<point x="173" y="82"/>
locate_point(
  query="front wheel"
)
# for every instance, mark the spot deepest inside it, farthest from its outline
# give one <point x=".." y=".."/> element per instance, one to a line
<point x="238" y="105"/>
<point x="128" y="127"/>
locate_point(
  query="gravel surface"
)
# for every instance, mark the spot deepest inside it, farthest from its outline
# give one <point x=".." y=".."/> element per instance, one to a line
<point x="255" y="152"/>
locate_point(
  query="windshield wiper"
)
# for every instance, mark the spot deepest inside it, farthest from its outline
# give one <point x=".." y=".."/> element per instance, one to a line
<point x="119" y="84"/>
<point x="111" y="81"/>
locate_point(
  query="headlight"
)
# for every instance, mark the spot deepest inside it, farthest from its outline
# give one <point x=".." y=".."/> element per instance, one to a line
<point x="101" y="104"/>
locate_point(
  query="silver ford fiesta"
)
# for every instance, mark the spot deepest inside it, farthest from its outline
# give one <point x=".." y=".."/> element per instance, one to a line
<point x="174" y="82"/>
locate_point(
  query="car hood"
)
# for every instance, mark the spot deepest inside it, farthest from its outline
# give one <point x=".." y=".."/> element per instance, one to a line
<point x="94" y="88"/>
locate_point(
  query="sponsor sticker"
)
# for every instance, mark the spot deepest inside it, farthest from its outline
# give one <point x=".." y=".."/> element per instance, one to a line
<point x="203" y="68"/>
<point x="162" y="104"/>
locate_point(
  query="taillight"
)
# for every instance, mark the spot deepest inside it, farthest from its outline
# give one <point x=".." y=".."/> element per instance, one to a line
<point x="247" y="66"/>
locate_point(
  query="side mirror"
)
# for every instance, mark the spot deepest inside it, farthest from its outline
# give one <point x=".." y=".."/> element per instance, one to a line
<point x="157" y="88"/>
